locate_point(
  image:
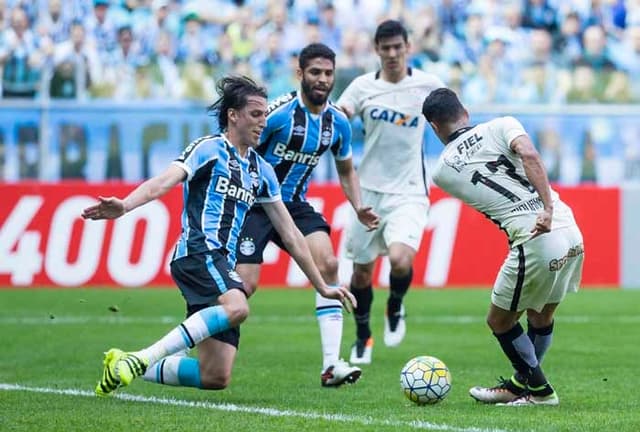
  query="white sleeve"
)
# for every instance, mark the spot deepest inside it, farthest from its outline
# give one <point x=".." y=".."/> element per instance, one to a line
<point x="510" y="129"/>
<point x="350" y="97"/>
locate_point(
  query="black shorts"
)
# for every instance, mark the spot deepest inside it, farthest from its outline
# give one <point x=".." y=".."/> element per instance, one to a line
<point x="257" y="230"/>
<point x="202" y="278"/>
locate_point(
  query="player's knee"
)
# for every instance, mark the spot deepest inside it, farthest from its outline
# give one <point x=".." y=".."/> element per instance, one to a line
<point x="237" y="311"/>
<point x="249" y="287"/>
<point x="540" y="320"/>
<point x="360" y="278"/>
<point x="215" y="380"/>
<point x="401" y="263"/>
<point x="329" y="268"/>
<point x="499" y="324"/>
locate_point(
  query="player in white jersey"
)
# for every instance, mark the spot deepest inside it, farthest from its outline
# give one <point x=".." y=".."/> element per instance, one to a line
<point x="392" y="179"/>
<point x="495" y="168"/>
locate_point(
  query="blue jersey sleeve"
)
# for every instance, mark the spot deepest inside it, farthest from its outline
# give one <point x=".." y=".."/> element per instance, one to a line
<point x="278" y="116"/>
<point x="269" y="189"/>
<point x="341" y="149"/>
<point x="198" y="153"/>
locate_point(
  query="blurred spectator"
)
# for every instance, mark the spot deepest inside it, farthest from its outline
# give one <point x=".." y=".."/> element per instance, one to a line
<point x="426" y="38"/>
<point x="197" y="82"/>
<point x="568" y="41"/>
<point x="53" y="22"/>
<point x="469" y="47"/>
<point x="20" y="58"/>
<point x="76" y="66"/>
<point x="610" y="14"/>
<point x="277" y="21"/>
<point x="483" y="87"/>
<point x="100" y="27"/>
<point x="120" y="67"/>
<point x="516" y="35"/>
<point x="627" y="56"/>
<point x="330" y="31"/>
<point x="606" y="84"/>
<point x="610" y="84"/>
<point x="632" y="18"/>
<point x="242" y="34"/>
<point x="539" y="14"/>
<point x="450" y="14"/>
<point x="4" y="18"/>
<point x="594" y="49"/>
<point x="193" y="43"/>
<point x="359" y="14"/>
<point x="161" y="20"/>
<point x="271" y="62"/>
<point x="357" y="57"/>
<point x="161" y="74"/>
<point x="463" y="41"/>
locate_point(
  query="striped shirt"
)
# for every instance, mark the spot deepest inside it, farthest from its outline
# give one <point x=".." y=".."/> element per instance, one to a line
<point x="294" y="139"/>
<point x="220" y="188"/>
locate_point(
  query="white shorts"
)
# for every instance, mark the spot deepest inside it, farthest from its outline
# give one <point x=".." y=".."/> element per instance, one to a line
<point x="403" y="219"/>
<point x="540" y="271"/>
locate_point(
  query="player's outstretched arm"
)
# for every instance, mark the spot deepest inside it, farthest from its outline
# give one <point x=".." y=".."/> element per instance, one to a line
<point x="537" y="175"/>
<point x="155" y="187"/>
<point x="299" y="250"/>
<point x="351" y="187"/>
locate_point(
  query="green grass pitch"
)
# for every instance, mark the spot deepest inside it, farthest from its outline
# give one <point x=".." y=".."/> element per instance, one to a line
<point x="52" y="342"/>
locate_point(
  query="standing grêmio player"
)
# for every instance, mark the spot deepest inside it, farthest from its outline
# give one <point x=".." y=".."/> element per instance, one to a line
<point x="300" y="128"/>
<point x="223" y="176"/>
<point x="495" y="168"/>
<point x="392" y="178"/>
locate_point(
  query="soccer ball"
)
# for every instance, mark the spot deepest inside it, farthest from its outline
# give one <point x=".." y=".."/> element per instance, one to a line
<point x="425" y="380"/>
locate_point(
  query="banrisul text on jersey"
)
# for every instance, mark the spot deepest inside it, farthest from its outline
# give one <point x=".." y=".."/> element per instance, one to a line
<point x="294" y="139"/>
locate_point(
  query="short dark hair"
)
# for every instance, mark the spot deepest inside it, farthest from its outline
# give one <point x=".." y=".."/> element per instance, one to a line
<point x="390" y="28"/>
<point x="315" y="50"/>
<point x="442" y="106"/>
<point x="234" y="93"/>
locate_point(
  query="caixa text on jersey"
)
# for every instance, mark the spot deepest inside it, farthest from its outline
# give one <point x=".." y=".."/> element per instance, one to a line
<point x="394" y="117"/>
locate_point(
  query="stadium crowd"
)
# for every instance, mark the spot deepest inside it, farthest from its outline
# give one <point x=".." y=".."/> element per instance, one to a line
<point x="490" y="51"/>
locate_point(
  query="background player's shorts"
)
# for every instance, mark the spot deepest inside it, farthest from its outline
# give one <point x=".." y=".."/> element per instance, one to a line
<point x="257" y="230"/>
<point x="202" y="278"/>
<point x="540" y="271"/>
<point x="403" y="219"/>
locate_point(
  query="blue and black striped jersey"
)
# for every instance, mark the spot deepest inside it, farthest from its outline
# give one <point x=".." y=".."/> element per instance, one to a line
<point x="220" y="188"/>
<point x="294" y="139"/>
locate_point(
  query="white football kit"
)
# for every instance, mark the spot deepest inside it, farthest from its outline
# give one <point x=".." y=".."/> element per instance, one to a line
<point x="478" y="167"/>
<point x="392" y="170"/>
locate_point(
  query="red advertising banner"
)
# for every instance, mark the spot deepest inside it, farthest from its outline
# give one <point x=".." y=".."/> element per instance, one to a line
<point x="45" y="242"/>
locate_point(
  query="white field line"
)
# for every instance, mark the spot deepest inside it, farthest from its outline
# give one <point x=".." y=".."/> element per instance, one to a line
<point x="270" y="412"/>
<point x="122" y="319"/>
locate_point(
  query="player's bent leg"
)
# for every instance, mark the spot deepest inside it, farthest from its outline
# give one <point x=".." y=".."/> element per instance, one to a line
<point x="216" y="359"/>
<point x="401" y="259"/>
<point x="235" y="305"/>
<point x="361" y="351"/>
<point x="329" y="316"/>
<point x="175" y="370"/>
<point x="335" y="371"/>
<point x="540" y="329"/>
<point x="250" y="275"/>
